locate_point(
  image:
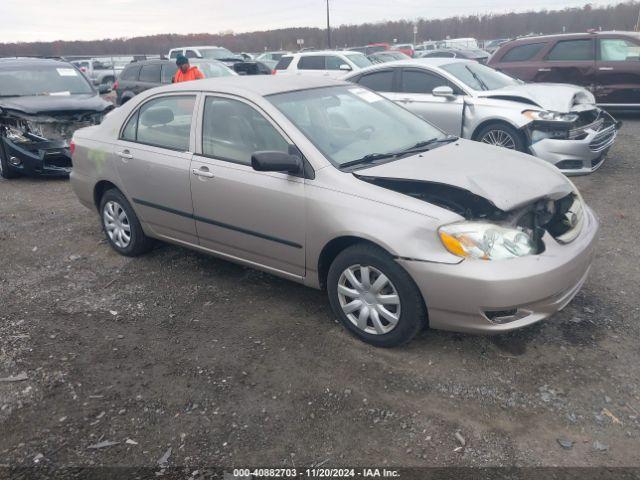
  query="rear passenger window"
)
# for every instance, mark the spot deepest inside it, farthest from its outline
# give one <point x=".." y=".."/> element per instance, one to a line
<point x="190" y="54"/>
<point x="414" y="81"/>
<point x="233" y="131"/>
<point x="130" y="73"/>
<point x="174" y="54"/>
<point x="572" y="50"/>
<point x="378" y="81"/>
<point x="166" y="122"/>
<point x="150" y="73"/>
<point x="522" y="53"/>
<point x="316" y="62"/>
<point x="284" y="63"/>
<point x="168" y="71"/>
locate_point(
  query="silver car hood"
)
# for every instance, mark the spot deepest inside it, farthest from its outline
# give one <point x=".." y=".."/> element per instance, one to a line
<point x="556" y="97"/>
<point x="506" y="178"/>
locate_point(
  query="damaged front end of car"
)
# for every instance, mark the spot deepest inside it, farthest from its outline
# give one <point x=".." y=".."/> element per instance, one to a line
<point x="39" y="144"/>
<point x="488" y="232"/>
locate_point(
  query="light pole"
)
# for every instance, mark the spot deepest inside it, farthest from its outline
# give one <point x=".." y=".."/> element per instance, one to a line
<point x="328" y="28"/>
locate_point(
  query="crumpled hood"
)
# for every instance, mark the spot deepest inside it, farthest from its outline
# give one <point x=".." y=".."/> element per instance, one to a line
<point x="56" y="104"/>
<point x="556" y="97"/>
<point x="506" y="178"/>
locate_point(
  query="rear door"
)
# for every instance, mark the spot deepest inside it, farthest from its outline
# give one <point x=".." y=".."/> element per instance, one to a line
<point x="258" y="217"/>
<point x="314" y="65"/>
<point x="153" y="157"/>
<point x="415" y="93"/>
<point x="149" y="77"/>
<point x="569" y="61"/>
<point x="520" y="61"/>
<point x="618" y="71"/>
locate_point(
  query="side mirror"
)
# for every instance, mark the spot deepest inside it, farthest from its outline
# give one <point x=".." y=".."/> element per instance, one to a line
<point x="345" y="67"/>
<point x="271" y="161"/>
<point x="443" y="91"/>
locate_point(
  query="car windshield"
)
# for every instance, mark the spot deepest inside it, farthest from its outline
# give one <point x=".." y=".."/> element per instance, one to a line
<point x="349" y="123"/>
<point x="479" y="77"/>
<point x="359" y="59"/>
<point x="212" y="68"/>
<point x="23" y="81"/>
<point x="216" y="53"/>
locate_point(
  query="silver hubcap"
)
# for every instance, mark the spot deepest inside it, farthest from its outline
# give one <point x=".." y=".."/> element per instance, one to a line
<point x="369" y="299"/>
<point x="499" y="138"/>
<point x="116" y="224"/>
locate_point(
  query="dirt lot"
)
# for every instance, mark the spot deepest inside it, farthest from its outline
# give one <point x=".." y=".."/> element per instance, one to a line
<point x="229" y="366"/>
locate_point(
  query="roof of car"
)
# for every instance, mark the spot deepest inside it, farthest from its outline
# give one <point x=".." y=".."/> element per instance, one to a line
<point x="325" y="52"/>
<point x="536" y="38"/>
<point x="260" y="85"/>
<point x="20" y="61"/>
<point x="413" y="62"/>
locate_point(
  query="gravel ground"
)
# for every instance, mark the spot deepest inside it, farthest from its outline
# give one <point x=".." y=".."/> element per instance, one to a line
<point x="229" y="366"/>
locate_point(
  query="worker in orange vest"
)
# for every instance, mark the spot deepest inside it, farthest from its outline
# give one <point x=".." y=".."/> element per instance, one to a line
<point x="185" y="71"/>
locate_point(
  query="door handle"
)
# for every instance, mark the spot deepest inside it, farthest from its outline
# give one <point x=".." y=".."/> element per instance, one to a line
<point x="406" y="100"/>
<point x="125" y="154"/>
<point x="544" y="69"/>
<point x="605" y="69"/>
<point x="199" y="172"/>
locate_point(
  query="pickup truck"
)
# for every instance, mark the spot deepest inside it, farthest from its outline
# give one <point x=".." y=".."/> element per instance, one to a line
<point x="101" y="72"/>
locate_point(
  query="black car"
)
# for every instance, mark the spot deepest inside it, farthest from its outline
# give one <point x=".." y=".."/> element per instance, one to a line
<point x="140" y="76"/>
<point x="469" y="54"/>
<point x="42" y="102"/>
<point x="255" y="67"/>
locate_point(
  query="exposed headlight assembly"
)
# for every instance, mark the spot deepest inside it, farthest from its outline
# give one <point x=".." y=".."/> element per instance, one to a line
<point x="486" y="241"/>
<point x="548" y="116"/>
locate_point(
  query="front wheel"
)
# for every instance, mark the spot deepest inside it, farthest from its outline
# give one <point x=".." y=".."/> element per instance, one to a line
<point x="374" y="297"/>
<point x="501" y="135"/>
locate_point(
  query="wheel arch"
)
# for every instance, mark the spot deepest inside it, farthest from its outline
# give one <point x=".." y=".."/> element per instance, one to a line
<point x="333" y="248"/>
<point x="99" y="189"/>
<point x="499" y="121"/>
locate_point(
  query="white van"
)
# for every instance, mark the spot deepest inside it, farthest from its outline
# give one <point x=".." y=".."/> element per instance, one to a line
<point x="328" y="63"/>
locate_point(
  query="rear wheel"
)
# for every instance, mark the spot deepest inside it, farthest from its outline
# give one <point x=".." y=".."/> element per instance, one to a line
<point x="501" y="135"/>
<point x="121" y="225"/>
<point x="374" y="297"/>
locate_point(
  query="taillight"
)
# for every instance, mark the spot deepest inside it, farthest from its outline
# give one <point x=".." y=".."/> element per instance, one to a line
<point x="72" y="147"/>
<point x="83" y="69"/>
<point x="274" y="72"/>
<point x="115" y="85"/>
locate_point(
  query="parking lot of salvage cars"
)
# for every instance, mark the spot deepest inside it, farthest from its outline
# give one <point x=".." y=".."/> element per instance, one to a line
<point x="110" y="360"/>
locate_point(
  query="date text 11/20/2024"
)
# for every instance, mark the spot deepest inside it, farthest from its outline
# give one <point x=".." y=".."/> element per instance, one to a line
<point x="242" y="473"/>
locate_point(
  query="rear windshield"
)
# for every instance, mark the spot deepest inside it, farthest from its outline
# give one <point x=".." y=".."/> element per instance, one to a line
<point x="21" y="81"/>
<point x="284" y="63"/>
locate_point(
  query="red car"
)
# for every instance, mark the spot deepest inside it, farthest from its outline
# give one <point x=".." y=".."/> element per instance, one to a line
<point x="606" y="63"/>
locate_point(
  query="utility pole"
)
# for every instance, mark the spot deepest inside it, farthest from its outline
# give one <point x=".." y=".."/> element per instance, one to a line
<point x="328" y="28"/>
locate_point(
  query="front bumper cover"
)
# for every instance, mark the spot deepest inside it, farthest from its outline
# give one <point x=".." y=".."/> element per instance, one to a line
<point x="578" y="156"/>
<point x="463" y="296"/>
<point x="50" y="158"/>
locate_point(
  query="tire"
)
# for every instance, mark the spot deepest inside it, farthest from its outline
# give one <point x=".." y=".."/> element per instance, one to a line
<point x="493" y="133"/>
<point x="410" y="310"/>
<point x="6" y="171"/>
<point x="132" y="242"/>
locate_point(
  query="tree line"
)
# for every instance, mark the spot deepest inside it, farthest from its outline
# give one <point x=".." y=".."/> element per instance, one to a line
<point x="622" y="16"/>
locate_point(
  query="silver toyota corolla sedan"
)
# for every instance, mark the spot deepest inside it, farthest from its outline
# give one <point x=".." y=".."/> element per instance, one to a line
<point x="334" y="186"/>
<point x="558" y="123"/>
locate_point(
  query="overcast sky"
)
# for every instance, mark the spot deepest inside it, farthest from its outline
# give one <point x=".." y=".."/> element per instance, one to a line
<point x="30" y="20"/>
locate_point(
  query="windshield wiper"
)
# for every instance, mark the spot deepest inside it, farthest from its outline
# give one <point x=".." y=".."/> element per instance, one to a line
<point x="477" y="78"/>
<point x="370" y="158"/>
<point x="422" y="146"/>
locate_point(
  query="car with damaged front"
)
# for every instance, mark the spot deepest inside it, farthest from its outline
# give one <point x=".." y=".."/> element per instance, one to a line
<point x="555" y="122"/>
<point x="42" y="102"/>
<point x="333" y="186"/>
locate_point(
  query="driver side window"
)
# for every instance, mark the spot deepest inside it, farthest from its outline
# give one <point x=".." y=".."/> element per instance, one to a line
<point x="233" y="131"/>
<point x="417" y="81"/>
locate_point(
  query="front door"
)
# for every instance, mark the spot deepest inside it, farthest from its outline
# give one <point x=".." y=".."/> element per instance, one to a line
<point x="618" y="72"/>
<point x="153" y="162"/>
<point x="415" y="94"/>
<point x="258" y="217"/>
